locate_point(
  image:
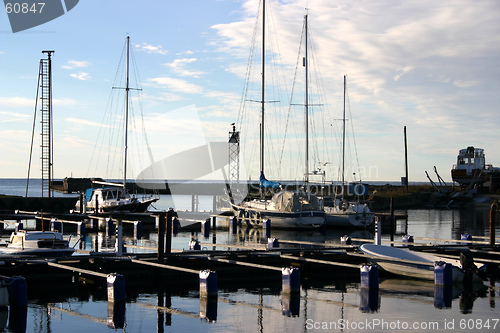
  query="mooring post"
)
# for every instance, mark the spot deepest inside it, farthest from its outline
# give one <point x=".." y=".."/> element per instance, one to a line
<point x="392" y="221"/>
<point x="55" y="225"/>
<point x="290" y="280"/>
<point x="18" y="291"/>
<point x="273" y="243"/>
<point x="175" y="226"/>
<point x="119" y="238"/>
<point x="378" y="231"/>
<point x="81" y="203"/>
<point x="233" y="225"/>
<point x="81" y="228"/>
<point x="493" y="215"/>
<point x="116" y="287"/>
<point x="168" y="239"/>
<point x="214" y="222"/>
<point x="266" y="224"/>
<point x="161" y="236"/>
<point x="443" y="275"/>
<point x="137" y="230"/>
<point x="208" y="283"/>
<point x="109" y="226"/>
<point x="369" y="276"/>
<point x="205" y="228"/>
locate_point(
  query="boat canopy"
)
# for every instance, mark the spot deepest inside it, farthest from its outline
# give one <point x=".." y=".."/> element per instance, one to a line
<point x="264" y="183"/>
<point x="289" y="201"/>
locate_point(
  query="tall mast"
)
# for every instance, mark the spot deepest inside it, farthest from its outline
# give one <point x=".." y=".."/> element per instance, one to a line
<point x="343" y="140"/>
<point x="306" y="108"/>
<point x="127" y="88"/>
<point x="262" y="87"/>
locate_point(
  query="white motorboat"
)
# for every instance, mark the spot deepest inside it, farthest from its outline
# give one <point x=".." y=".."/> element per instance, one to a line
<point x="410" y="263"/>
<point x="348" y="215"/>
<point x="45" y="244"/>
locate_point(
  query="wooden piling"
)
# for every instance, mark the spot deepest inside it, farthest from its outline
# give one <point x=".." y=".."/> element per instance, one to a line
<point x="161" y="237"/>
<point x="493" y="213"/>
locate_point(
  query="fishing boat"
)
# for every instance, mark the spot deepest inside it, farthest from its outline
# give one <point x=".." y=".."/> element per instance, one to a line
<point x="343" y="213"/>
<point x="286" y="209"/>
<point x="47" y="244"/>
<point x="410" y="263"/>
<point x="471" y="167"/>
<point x="115" y="196"/>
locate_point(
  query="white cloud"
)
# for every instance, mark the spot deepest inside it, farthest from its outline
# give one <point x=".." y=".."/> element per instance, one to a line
<point x="151" y="48"/>
<point x="179" y="67"/>
<point x="81" y="76"/>
<point x="16" y="101"/>
<point x="178" y="85"/>
<point x="84" y="122"/>
<point x="76" y="64"/>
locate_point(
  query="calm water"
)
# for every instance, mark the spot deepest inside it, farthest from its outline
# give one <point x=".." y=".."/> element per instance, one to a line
<point x="323" y="306"/>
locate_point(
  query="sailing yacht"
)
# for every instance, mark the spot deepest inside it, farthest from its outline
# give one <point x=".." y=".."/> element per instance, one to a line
<point x="347" y="214"/>
<point x="286" y="209"/>
<point x="115" y="196"/>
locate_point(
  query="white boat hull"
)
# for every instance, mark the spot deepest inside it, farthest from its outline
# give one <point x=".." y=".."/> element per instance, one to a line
<point x="282" y="220"/>
<point x="409" y="263"/>
<point x="355" y="216"/>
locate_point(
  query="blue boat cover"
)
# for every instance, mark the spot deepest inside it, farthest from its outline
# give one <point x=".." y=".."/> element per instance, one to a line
<point x="264" y="183"/>
<point x="88" y="193"/>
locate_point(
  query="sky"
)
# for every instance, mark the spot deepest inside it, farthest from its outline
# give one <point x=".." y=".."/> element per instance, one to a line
<point x="431" y="66"/>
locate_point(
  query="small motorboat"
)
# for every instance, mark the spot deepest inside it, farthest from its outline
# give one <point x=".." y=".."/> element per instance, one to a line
<point x="410" y="263"/>
<point x="47" y="244"/>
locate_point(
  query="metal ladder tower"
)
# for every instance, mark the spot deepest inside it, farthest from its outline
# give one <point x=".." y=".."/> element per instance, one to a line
<point x="46" y="135"/>
<point x="234" y="157"/>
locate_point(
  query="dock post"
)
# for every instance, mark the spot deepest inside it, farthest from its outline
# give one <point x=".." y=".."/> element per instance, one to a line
<point x="19" y="226"/>
<point x="109" y="226"/>
<point x="168" y="226"/>
<point x="81" y="203"/>
<point x="407" y="239"/>
<point x="233" y="225"/>
<point x="55" y="225"/>
<point x="18" y="291"/>
<point x="81" y="228"/>
<point x="116" y="287"/>
<point x="205" y="228"/>
<point x="214" y="222"/>
<point x="345" y="240"/>
<point x="266" y="224"/>
<point x="493" y="215"/>
<point x="378" y="231"/>
<point x="443" y="275"/>
<point x="175" y="226"/>
<point x="466" y="237"/>
<point x="137" y="230"/>
<point x="273" y="243"/>
<point x="392" y="222"/>
<point x="369" y="276"/>
<point x="290" y="278"/>
<point x="119" y="238"/>
<point x="208" y="283"/>
<point x="194" y="245"/>
<point x="161" y="236"/>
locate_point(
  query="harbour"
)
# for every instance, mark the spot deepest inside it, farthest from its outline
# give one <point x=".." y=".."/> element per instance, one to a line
<point x="164" y="297"/>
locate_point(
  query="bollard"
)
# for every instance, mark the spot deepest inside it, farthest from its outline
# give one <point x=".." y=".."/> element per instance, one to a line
<point x="175" y="226"/>
<point x="18" y="291"/>
<point x="233" y="225"/>
<point x="119" y="245"/>
<point x="55" y="225"/>
<point x="290" y="278"/>
<point x="369" y="276"/>
<point x="273" y="243"/>
<point x="81" y="228"/>
<point x="345" y="240"/>
<point x="19" y="226"/>
<point x="407" y="239"/>
<point x="205" y="228"/>
<point x="208" y="283"/>
<point x="466" y="237"/>
<point x="493" y="214"/>
<point x="116" y="287"/>
<point x="266" y="224"/>
<point x="109" y="226"/>
<point x="194" y="245"/>
<point x="443" y="273"/>
<point x="137" y="230"/>
<point x="378" y="231"/>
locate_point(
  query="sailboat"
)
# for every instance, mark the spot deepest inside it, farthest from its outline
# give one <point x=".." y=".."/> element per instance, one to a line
<point x="115" y="196"/>
<point x="346" y="214"/>
<point x="286" y="209"/>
